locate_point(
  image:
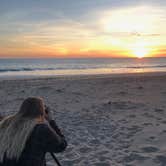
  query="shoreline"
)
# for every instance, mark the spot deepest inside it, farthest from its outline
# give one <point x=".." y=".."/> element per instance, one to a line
<point x="83" y="76"/>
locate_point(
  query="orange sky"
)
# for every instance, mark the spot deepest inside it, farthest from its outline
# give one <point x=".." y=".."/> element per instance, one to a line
<point x="132" y="31"/>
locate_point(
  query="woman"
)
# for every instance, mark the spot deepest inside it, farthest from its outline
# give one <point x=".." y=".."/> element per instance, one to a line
<point x="26" y="136"/>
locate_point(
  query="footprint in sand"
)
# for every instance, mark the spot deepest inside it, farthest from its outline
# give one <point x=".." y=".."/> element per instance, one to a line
<point x="102" y="164"/>
<point x="134" y="128"/>
<point x="132" y="116"/>
<point x="22" y="91"/>
<point x="163" y="131"/>
<point x="147" y="124"/>
<point x="85" y="150"/>
<point x="164" y="122"/>
<point x="94" y="142"/>
<point x="160" y="159"/>
<point x="74" y="162"/>
<point x="123" y="93"/>
<point x="152" y="137"/>
<point x="125" y="105"/>
<point x="148" y="115"/>
<point x="60" y="90"/>
<point x="149" y="149"/>
<point x="46" y="88"/>
<point x="140" y="87"/>
<point x="134" y="156"/>
<point x="159" y="110"/>
<point x="72" y="156"/>
<point x="68" y="162"/>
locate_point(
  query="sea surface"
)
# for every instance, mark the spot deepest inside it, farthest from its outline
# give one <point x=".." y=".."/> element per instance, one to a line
<point x="54" y="67"/>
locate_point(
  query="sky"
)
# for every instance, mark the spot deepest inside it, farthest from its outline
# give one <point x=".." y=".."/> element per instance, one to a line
<point x="82" y="28"/>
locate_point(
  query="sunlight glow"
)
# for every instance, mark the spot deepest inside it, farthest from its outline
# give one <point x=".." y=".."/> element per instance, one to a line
<point x="140" y="52"/>
<point x="140" y="49"/>
<point x="128" y="20"/>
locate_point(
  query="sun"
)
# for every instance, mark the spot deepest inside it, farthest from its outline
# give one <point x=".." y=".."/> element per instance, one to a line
<point x="140" y="52"/>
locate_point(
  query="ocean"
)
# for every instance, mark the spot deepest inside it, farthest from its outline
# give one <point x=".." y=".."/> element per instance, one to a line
<point x="75" y="66"/>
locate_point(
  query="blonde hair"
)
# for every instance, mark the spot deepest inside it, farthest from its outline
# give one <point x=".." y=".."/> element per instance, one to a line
<point x="16" y="129"/>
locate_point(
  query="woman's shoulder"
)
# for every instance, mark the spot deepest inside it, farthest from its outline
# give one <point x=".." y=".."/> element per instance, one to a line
<point x="42" y="124"/>
<point x="41" y="128"/>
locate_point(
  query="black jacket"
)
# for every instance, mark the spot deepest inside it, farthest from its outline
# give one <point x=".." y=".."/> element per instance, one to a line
<point x="44" y="138"/>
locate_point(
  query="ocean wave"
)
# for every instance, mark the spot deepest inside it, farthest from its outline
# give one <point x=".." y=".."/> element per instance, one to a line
<point x="22" y="69"/>
<point x="140" y="67"/>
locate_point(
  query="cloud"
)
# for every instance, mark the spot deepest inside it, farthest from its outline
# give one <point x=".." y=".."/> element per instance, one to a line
<point x="81" y="25"/>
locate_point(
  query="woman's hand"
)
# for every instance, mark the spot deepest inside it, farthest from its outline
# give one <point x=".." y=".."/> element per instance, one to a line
<point x="49" y="118"/>
<point x="48" y="114"/>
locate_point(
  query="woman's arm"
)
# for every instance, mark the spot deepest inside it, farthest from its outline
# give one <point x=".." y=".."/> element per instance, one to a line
<point x="56" y="128"/>
<point x="53" y="142"/>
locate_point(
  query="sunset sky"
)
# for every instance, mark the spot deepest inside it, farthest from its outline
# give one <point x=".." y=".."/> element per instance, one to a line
<point x="82" y="28"/>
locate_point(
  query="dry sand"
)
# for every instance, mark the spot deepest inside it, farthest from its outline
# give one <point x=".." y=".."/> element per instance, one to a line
<point x="108" y="120"/>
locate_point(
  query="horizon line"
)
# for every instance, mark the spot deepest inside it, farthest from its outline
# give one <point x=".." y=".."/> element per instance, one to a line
<point x="79" y="57"/>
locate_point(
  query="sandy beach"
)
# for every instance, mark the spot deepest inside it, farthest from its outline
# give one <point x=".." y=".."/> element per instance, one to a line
<point x="108" y="120"/>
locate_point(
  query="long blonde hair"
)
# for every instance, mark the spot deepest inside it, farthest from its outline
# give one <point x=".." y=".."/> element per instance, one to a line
<point x="16" y="129"/>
